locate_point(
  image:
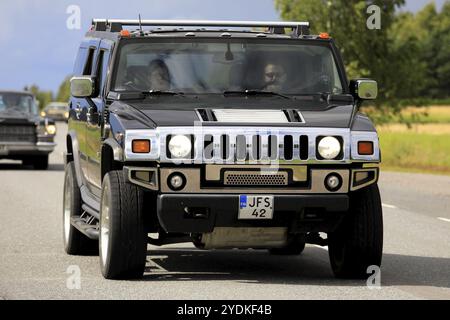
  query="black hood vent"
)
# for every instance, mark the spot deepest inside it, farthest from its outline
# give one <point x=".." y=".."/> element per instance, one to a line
<point x="294" y="116"/>
<point x="206" y="115"/>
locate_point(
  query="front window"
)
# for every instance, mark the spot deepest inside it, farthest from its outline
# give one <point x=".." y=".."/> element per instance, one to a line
<point x="216" y="67"/>
<point x="18" y="102"/>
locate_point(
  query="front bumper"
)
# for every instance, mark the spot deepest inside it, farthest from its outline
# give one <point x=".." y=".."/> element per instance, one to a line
<point x="19" y="149"/>
<point x="200" y="213"/>
<point x="57" y="117"/>
<point x="210" y="179"/>
<point x="205" y="202"/>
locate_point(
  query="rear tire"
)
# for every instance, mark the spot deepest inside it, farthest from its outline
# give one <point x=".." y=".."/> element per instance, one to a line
<point x="295" y="246"/>
<point x="75" y="243"/>
<point x="358" y="241"/>
<point x="40" y="162"/>
<point x="123" y="236"/>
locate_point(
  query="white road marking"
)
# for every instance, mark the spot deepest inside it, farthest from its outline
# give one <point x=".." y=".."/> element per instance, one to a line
<point x="390" y="206"/>
<point x="320" y="247"/>
<point x="444" y="219"/>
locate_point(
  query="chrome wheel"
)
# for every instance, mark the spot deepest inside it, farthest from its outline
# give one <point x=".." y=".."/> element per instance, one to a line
<point x="104" y="226"/>
<point x="66" y="207"/>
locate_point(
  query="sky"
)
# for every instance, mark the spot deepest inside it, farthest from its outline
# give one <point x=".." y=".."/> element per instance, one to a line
<point x="36" y="47"/>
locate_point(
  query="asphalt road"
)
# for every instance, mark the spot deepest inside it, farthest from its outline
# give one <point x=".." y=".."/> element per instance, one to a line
<point x="416" y="263"/>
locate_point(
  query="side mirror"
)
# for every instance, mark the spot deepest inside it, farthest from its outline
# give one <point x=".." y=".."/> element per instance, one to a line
<point x="364" y="89"/>
<point x="82" y="87"/>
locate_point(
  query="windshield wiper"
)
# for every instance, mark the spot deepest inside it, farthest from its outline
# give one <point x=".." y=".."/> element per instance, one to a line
<point x="255" y="93"/>
<point x="162" y="93"/>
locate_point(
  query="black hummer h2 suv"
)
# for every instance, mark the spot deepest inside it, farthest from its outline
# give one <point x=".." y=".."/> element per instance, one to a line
<point x="217" y="134"/>
<point x="24" y="135"/>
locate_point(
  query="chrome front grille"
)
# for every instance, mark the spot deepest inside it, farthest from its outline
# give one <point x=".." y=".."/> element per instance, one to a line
<point x="236" y="145"/>
<point x="255" y="147"/>
<point x="253" y="178"/>
<point x="17" y="133"/>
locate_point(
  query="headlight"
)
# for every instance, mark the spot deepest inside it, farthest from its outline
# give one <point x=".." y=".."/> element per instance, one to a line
<point x="329" y="148"/>
<point x="180" y="146"/>
<point x="66" y="114"/>
<point x="51" y="129"/>
<point x="43" y="114"/>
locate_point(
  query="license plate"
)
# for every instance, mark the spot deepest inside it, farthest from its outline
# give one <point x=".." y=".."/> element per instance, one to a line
<point x="255" y="207"/>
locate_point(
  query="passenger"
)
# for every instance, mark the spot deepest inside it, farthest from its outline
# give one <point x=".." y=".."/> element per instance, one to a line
<point x="274" y="77"/>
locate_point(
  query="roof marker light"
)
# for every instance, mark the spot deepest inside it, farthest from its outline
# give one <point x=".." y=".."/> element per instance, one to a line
<point x="324" y="35"/>
<point x="125" y="33"/>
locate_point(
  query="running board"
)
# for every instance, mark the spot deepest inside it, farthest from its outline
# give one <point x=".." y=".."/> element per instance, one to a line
<point x="86" y="208"/>
<point x="168" y="240"/>
<point x="88" y="230"/>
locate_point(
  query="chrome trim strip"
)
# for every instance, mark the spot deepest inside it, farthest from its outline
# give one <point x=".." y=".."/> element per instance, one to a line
<point x="193" y="184"/>
<point x="154" y="185"/>
<point x="158" y="139"/>
<point x="357" y="136"/>
<point x="250" y="115"/>
<point x="352" y="177"/>
<point x="204" y="23"/>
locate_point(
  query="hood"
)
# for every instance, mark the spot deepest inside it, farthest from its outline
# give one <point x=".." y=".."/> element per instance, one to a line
<point x="179" y="111"/>
<point x="16" y="116"/>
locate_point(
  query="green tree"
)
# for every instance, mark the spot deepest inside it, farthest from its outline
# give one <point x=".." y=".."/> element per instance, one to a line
<point x="63" y="94"/>
<point x="367" y="53"/>
<point x="429" y="31"/>
<point x="436" y="49"/>
<point x="43" y="97"/>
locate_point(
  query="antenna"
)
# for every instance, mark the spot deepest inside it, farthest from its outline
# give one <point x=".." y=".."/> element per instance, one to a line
<point x="140" y="25"/>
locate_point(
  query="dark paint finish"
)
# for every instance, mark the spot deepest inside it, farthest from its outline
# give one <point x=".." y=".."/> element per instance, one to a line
<point x="181" y="111"/>
<point x="121" y="111"/>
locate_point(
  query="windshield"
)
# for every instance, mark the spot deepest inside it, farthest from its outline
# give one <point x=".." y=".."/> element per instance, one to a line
<point x="208" y="67"/>
<point x="17" y="101"/>
<point x="60" y="107"/>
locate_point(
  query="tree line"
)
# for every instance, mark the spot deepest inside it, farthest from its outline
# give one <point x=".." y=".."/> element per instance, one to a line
<point x="409" y="55"/>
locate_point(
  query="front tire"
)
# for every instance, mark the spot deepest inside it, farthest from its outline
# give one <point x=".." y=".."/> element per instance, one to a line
<point x="75" y="243"/>
<point x="123" y="237"/>
<point x="358" y="241"/>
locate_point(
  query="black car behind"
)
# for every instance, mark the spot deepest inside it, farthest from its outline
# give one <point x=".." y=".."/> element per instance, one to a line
<point x="23" y="134"/>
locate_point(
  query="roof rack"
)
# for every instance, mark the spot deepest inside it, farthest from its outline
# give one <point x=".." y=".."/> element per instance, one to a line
<point x="116" y="25"/>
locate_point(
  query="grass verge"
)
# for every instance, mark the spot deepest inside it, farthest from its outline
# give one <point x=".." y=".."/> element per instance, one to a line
<point x="415" y="152"/>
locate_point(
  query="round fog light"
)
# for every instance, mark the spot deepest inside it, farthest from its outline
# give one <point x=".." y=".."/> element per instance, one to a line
<point x="176" y="181"/>
<point x="333" y="182"/>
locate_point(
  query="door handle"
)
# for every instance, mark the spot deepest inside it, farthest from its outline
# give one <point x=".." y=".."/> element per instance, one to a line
<point x="92" y="115"/>
<point x="77" y="109"/>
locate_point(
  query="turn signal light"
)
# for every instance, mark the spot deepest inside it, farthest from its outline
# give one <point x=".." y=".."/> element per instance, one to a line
<point x="365" y="148"/>
<point x="141" y="146"/>
<point x="125" y="33"/>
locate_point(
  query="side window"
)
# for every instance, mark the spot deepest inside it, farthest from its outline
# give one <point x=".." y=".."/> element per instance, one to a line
<point x="87" y="71"/>
<point x="80" y="61"/>
<point x="99" y="72"/>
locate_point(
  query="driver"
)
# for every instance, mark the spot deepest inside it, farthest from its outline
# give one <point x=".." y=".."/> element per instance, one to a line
<point x="274" y="77"/>
<point x="158" y="76"/>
